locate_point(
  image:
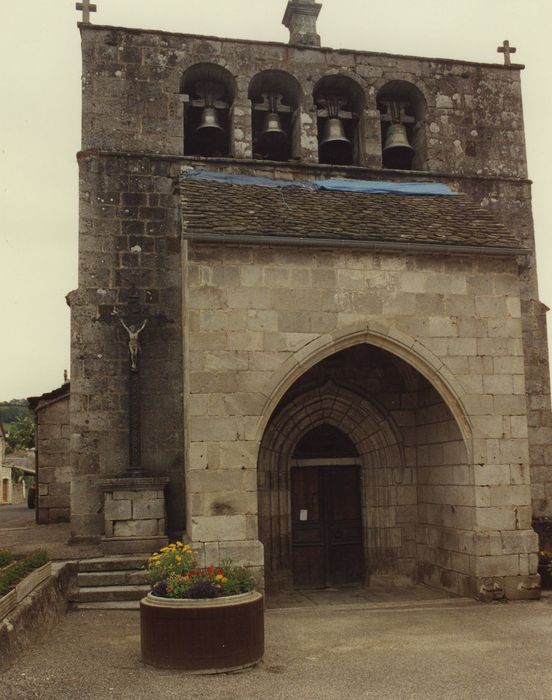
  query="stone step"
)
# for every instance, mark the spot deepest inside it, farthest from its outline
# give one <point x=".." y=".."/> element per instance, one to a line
<point x="110" y="605"/>
<point x="128" y="577"/>
<point x="113" y="563"/>
<point x="94" y="594"/>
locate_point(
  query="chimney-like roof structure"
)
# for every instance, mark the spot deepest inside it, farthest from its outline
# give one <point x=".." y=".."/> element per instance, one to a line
<point x="300" y="18"/>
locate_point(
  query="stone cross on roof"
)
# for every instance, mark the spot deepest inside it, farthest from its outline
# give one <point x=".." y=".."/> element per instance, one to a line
<point x="506" y="49"/>
<point x="86" y="8"/>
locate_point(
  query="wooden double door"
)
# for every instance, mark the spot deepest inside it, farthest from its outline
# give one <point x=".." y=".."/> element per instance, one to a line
<point x="327" y="547"/>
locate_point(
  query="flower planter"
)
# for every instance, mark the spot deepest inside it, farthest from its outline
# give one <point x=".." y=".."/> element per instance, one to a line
<point x="213" y="635"/>
<point x="22" y="589"/>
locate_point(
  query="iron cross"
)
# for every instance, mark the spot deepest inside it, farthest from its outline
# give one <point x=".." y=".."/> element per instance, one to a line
<point x="506" y="49"/>
<point x="86" y="8"/>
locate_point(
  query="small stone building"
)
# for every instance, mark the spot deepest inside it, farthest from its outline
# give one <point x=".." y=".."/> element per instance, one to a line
<point x="53" y="470"/>
<point x="334" y="380"/>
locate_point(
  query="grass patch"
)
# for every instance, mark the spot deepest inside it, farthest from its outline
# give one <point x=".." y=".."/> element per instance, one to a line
<point x="21" y="569"/>
<point x="6" y="557"/>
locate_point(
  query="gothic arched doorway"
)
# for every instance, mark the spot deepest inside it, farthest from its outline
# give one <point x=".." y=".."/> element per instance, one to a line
<point x="363" y="434"/>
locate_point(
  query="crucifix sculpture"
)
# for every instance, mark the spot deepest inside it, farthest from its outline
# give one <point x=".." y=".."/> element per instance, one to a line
<point x="135" y="467"/>
<point x="134" y="320"/>
<point x="133" y="317"/>
<point x="133" y="342"/>
<point x="86" y="8"/>
<point x="506" y="49"/>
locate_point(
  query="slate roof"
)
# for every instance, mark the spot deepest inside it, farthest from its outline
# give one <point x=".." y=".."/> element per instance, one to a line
<point x="36" y="403"/>
<point x="231" y="211"/>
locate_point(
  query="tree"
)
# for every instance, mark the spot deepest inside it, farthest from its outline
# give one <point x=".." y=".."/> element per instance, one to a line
<point x="21" y="434"/>
<point x="10" y="411"/>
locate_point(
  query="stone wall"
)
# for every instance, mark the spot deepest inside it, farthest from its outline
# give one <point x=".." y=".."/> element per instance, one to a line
<point x="113" y="241"/>
<point x="53" y="460"/>
<point x="129" y="240"/>
<point x="254" y="316"/>
<point x="36" y="615"/>
<point x="446" y="498"/>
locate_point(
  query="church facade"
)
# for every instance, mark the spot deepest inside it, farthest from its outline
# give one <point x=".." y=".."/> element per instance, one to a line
<point x="307" y="332"/>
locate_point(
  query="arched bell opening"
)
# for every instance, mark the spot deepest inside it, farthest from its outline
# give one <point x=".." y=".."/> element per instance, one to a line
<point x="363" y="476"/>
<point x="402" y="109"/>
<point x="340" y="104"/>
<point x="208" y="93"/>
<point x="275" y="113"/>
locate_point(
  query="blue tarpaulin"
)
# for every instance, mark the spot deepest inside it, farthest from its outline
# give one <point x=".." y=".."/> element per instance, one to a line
<point x="335" y="185"/>
<point x="375" y="187"/>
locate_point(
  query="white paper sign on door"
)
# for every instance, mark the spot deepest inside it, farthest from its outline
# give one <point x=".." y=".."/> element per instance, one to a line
<point x="303" y="514"/>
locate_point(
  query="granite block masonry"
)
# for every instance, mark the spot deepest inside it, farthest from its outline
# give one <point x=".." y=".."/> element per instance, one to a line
<point x="348" y="385"/>
<point x="52" y="457"/>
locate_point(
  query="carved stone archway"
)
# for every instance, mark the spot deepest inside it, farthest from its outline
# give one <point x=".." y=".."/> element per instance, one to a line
<point x="383" y="468"/>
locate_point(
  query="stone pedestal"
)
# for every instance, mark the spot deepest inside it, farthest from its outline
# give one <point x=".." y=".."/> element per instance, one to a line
<point x="134" y="513"/>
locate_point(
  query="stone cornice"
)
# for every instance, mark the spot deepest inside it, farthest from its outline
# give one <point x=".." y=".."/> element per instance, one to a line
<point x="514" y="67"/>
<point x="351" y="170"/>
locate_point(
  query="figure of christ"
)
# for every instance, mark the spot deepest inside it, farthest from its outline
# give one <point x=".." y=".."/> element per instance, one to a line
<point x="133" y="344"/>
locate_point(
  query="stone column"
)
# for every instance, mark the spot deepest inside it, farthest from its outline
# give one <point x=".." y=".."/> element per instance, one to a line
<point x="309" y="132"/>
<point x="372" y="139"/>
<point x="242" y="133"/>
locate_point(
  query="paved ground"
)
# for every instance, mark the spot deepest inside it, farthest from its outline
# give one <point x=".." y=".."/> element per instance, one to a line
<point x="413" y="652"/>
<point x="379" y="593"/>
<point x="19" y="531"/>
<point x="16" y="515"/>
<point x="411" y="644"/>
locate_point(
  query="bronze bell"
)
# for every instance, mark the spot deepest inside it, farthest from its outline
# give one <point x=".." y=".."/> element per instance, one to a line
<point x="334" y="132"/>
<point x="209" y="120"/>
<point x="272" y="132"/>
<point x="397" y="138"/>
<point x="335" y="147"/>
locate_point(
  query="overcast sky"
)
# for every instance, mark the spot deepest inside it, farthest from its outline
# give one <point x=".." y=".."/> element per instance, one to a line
<point x="40" y="68"/>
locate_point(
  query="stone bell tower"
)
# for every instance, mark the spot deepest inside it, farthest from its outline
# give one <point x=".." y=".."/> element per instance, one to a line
<point x="347" y="330"/>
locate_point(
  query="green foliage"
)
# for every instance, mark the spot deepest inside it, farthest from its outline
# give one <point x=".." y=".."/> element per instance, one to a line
<point x="10" y="411"/>
<point x="176" y="575"/>
<point x="176" y="558"/>
<point x="21" y="569"/>
<point x="240" y="579"/>
<point x="6" y="557"/>
<point x="21" y="434"/>
<point x="210" y="582"/>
